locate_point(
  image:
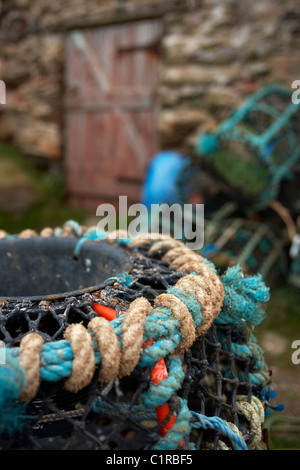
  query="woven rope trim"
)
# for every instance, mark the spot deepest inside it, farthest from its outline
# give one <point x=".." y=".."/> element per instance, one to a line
<point x="84" y="360"/>
<point x="29" y="357"/>
<point x="200" y="282"/>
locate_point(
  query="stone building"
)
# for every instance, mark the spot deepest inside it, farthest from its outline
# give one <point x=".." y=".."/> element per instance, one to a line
<point x="100" y="86"/>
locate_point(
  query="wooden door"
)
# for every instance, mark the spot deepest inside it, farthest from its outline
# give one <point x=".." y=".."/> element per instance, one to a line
<point x="111" y="79"/>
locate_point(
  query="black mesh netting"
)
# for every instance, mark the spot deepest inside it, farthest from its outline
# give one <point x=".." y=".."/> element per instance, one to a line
<point x="109" y="416"/>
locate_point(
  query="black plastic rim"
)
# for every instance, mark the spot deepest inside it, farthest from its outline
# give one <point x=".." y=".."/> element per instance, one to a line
<point x="36" y="269"/>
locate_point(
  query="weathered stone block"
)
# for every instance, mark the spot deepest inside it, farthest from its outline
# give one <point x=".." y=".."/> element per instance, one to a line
<point x="221" y="75"/>
<point x="39" y="138"/>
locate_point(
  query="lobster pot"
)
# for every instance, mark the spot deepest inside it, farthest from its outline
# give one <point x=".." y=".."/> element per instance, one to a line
<point x="294" y="272"/>
<point x="250" y="244"/>
<point x="257" y="147"/>
<point x="117" y="343"/>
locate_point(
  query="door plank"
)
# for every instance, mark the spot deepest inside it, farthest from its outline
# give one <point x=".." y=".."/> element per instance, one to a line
<point x="111" y="108"/>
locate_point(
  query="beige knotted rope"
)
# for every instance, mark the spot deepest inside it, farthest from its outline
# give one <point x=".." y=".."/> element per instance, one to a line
<point x="84" y="359"/>
<point x="108" y="346"/>
<point x="191" y="286"/>
<point x="254" y="412"/>
<point x="147" y="239"/>
<point x="29" y="357"/>
<point x="133" y="333"/>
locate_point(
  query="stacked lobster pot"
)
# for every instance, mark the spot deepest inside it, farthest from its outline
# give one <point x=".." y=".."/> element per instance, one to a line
<point x="254" y="155"/>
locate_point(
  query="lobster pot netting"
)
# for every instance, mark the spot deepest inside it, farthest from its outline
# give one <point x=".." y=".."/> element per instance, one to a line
<point x="127" y="344"/>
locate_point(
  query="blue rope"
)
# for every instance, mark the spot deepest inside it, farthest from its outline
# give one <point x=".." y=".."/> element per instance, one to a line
<point x="92" y="234"/>
<point x="124" y="279"/>
<point x="174" y="437"/>
<point x="13" y="383"/>
<point x="161" y="348"/>
<point x="75" y="226"/>
<point x="179" y="431"/>
<point x="190" y="301"/>
<point x="162" y="392"/>
<point x="155" y="396"/>
<point x="95" y="234"/>
<point x="159" y="324"/>
<point x="217" y="424"/>
<point x="140" y="413"/>
<point x="251" y="350"/>
<point x="243" y="298"/>
<point x="268" y="394"/>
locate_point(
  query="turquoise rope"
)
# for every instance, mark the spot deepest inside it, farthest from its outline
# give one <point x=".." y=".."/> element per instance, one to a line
<point x="95" y="234"/>
<point x="12" y="413"/>
<point x="251" y="350"/>
<point x="161" y="348"/>
<point x="179" y="431"/>
<point x="125" y="279"/>
<point x="248" y="350"/>
<point x="91" y="234"/>
<point x="190" y="301"/>
<point x="218" y="424"/>
<point x="155" y="396"/>
<point x="77" y="228"/>
<point x="243" y="296"/>
<point x="174" y="437"/>
<point x="158" y="324"/>
<point x="268" y="394"/>
<point x="185" y="419"/>
<point x="57" y="357"/>
<point x="140" y="413"/>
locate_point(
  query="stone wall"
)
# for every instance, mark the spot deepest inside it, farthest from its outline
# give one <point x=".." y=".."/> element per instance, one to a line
<point x="32" y="68"/>
<point x="216" y="56"/>
<point x="32" y="56"/>
<point x="214" y="53"/>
